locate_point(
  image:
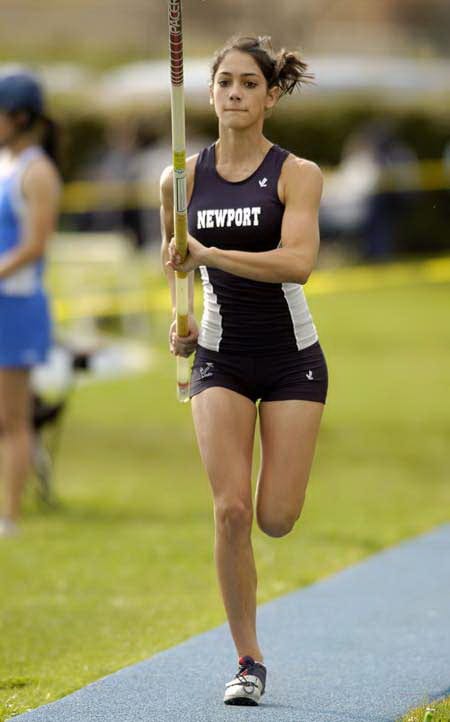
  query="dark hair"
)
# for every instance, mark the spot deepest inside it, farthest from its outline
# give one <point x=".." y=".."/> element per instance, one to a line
<point x="50" y="139"/>
<point x="284" y="70"/>
<point x="49" y="131"/>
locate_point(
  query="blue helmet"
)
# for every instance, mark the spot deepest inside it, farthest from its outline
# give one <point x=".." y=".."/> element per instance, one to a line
<point x="21" y="91"/>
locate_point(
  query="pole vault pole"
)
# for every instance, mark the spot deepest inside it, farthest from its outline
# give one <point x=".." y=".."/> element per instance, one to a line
<point x="179" y="184"/>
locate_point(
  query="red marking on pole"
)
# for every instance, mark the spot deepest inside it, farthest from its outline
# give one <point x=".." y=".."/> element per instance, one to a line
<point x="175" y="42"/>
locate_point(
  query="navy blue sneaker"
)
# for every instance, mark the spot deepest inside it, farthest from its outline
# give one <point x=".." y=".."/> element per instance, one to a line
<point x="248" y="685"/>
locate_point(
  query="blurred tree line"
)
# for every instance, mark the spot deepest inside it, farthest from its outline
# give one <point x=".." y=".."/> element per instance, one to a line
<point x="315" y="131"/>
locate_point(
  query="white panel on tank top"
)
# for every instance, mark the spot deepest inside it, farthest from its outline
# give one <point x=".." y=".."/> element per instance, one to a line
<point x="304" y="328"/>
<point x="23" y="282"/>
<point x="24" y="160"/>
<point x="211" y="327"/>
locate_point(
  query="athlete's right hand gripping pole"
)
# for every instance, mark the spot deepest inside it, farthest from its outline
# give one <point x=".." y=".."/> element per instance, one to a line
<point x="179" y="185"/>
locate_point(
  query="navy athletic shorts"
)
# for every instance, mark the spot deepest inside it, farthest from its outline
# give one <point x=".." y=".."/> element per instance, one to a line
<point x="293" y="375"/>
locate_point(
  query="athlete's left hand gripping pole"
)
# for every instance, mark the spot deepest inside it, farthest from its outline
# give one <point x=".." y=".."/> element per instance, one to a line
<point x="179" y="184"/>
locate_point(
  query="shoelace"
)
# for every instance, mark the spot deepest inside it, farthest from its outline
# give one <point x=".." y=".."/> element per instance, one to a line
<point x="242" y="679"/>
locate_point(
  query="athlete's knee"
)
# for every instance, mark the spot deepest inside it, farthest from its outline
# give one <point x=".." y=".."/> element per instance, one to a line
<point x="277" y="524"/>
<point x="233" y="517"/>
<point x="276" y="527"/>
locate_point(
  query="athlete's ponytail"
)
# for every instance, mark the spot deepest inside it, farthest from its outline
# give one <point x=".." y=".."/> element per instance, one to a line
<point x="291" y="71"/>
<point x="285" y="69"/>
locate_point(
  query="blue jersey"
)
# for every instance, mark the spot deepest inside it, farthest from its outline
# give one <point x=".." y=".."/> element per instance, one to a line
<point x="26" y="281"/>
<point x="25" y="327"/>
<point x="242" y="315"/>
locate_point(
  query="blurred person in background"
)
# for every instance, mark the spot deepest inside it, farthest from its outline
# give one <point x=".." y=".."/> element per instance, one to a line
<point x="30" y="190"/>
<point x="368" y="194"/>
<point x="112" y="168"/>
<point x="126" y="168"/>
<point x="155" y="152"/>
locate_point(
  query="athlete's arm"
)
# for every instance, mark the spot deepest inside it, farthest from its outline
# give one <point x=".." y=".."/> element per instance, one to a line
<point x="178" y="345"/>
<point x="41" y="190"/>
<point x="296" y="258"/>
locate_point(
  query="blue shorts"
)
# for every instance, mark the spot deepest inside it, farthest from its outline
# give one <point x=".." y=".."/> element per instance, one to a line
<point x="293" y="375"/>
<point x="25" y="330"/>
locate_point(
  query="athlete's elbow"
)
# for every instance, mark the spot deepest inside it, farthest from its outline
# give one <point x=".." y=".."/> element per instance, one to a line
<point x="304" y="276"/>
<point x="299" y="267"/>
<point x="299" y="273"/>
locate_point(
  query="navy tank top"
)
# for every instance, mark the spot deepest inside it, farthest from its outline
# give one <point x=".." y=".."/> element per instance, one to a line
<point x="242" y="315"/>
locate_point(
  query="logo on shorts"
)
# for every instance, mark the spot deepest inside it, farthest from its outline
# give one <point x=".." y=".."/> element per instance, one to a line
<point x="309" y="375"/>
<point x="206" y="371"/>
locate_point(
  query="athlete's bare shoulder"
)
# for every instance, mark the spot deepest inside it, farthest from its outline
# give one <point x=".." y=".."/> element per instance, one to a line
<point x="296" y="169"/>
<point x="41" y="178"/>
<point x="299" y="174"/>
<point x="166" y="180"/>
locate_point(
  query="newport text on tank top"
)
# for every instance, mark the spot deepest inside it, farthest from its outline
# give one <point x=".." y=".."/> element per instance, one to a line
<point x="242" y="315"/>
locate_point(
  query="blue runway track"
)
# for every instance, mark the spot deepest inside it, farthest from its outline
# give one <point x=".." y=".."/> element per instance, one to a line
<point x="364" y="645"/>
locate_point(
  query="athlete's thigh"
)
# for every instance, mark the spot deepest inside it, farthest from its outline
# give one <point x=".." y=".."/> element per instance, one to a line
<point x="14" y="396"/>
<point x="225" y="427"/>
<point x="289" y="431"/>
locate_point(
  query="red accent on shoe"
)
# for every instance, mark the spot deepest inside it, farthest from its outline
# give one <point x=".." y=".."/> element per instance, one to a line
<point x="246" y="661"/>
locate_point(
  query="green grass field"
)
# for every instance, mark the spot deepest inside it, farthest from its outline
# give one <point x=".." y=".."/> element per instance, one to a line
<point x="124" y="567"/>
<point x="441" y="712"/>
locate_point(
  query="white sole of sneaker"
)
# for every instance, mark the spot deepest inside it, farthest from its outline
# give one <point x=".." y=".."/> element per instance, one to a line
<point x="236" y="693"/>
<point x="245" y="701"/>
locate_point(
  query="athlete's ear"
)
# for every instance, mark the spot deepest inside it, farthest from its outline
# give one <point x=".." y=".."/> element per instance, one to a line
<point x="273" y="95"/>
<point x="211" y="97"/>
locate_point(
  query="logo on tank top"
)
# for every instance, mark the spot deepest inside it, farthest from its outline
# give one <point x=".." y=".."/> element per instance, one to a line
<point x="206" y="371"/>
<point x="228" y="217"/>
<point x="309" y="375"/>
<point x="263" y="183"/>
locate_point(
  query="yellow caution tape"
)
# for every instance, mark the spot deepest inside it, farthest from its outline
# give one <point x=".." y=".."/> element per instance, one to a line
<point x="123" y="301"/>
<point x="84" y="196"/>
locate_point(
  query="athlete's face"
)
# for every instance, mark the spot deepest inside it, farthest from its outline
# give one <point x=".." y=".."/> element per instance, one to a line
<point x="239" y="92"/>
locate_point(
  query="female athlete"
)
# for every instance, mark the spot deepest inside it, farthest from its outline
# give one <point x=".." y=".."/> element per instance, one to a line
<point x="29" y="196"/>
<point x="253" y="225"/>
